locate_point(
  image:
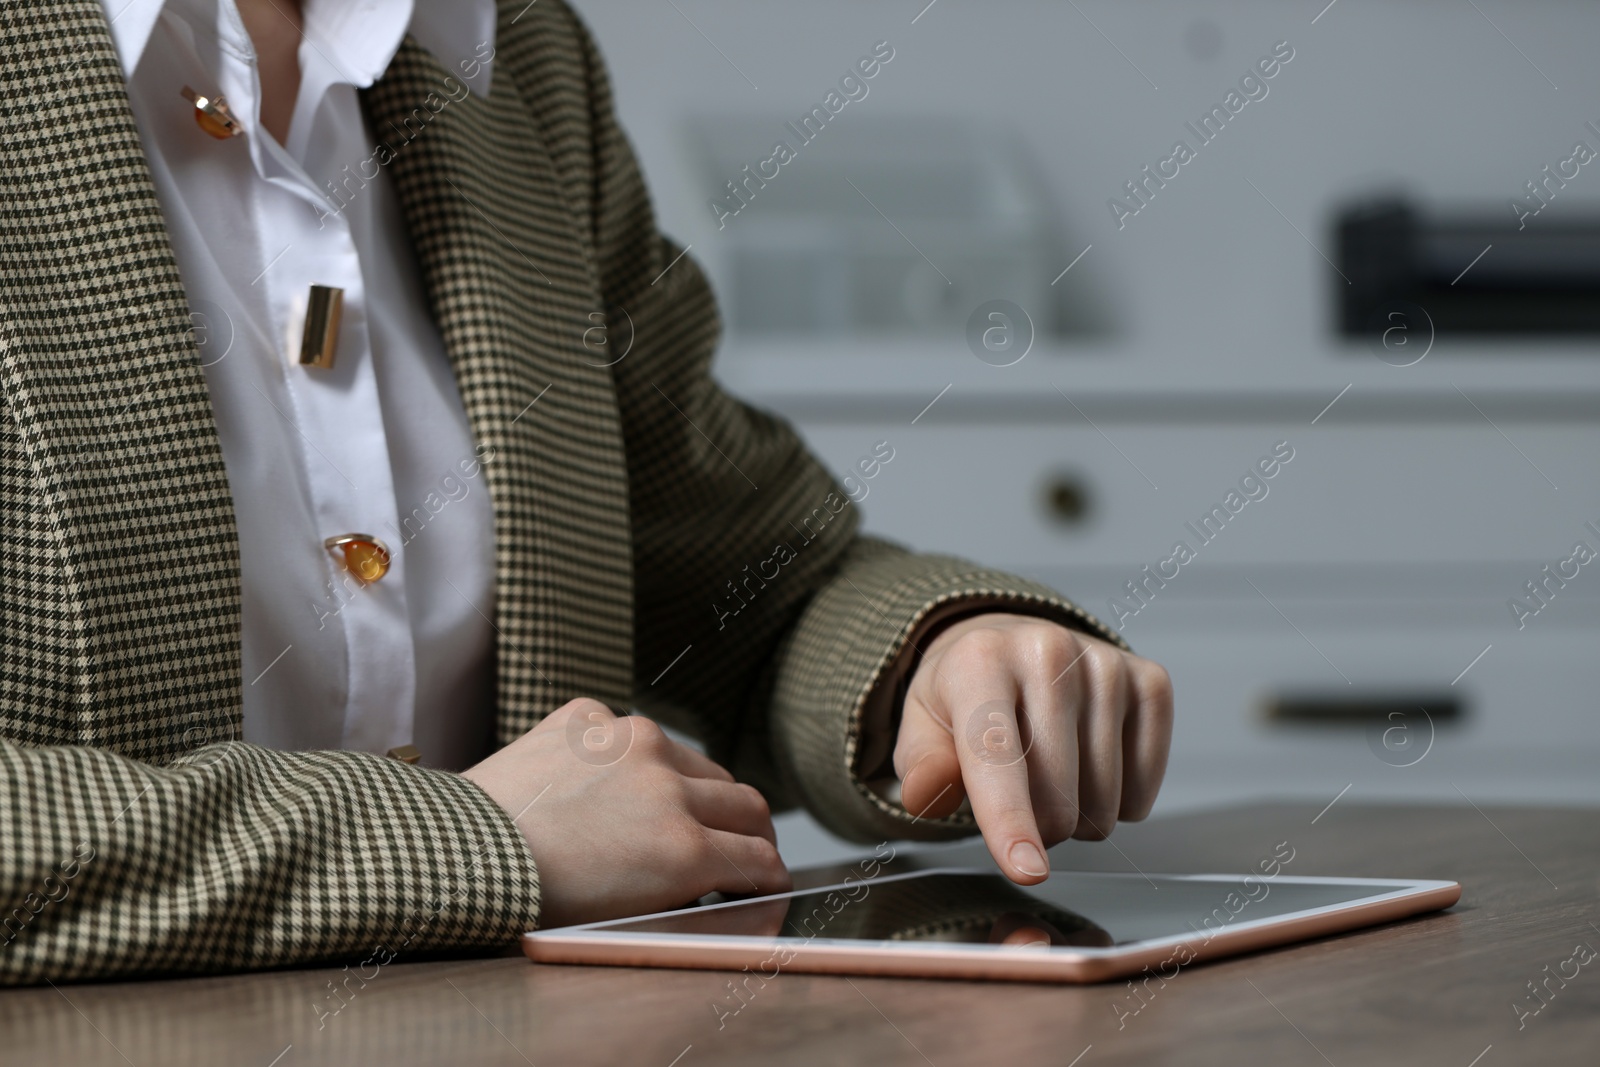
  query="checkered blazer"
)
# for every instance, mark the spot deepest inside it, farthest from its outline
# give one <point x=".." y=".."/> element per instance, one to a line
<point x="138" y="833"/>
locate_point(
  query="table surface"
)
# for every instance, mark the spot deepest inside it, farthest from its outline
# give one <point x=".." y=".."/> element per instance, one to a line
<point x="1444" y="989"/>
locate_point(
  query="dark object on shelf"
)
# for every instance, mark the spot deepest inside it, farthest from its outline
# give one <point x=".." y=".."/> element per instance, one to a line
<point x="1469" y="275"/>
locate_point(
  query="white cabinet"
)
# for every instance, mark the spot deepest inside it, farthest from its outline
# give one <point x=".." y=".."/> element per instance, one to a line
<point x="1371" y="570"/>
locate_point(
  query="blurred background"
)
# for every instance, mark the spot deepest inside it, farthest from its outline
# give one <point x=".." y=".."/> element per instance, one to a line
<point x="1383" y="259"/>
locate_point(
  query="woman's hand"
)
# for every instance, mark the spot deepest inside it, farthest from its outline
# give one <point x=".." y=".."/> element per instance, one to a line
<point x="1051" y="733"/>
<point x="622" y="820"/>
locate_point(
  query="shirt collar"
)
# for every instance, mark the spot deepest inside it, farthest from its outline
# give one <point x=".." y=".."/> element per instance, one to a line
<point x="459" y="33"/>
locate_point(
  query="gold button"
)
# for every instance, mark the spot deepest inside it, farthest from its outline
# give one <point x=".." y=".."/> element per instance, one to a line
<point x="319" y="338"/>
<point x="365" y="556"/>
<point x="211" y="114"/>
<point x="405" y="753"/>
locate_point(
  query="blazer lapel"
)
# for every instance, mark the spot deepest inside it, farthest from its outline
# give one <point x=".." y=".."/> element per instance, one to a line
<point x="132" y="578"/>
<point x="508" y="272"/>
<point x="137" y="551"/>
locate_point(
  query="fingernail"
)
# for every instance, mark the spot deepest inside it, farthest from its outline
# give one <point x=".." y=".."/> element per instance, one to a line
<point x="1027" y="859"/>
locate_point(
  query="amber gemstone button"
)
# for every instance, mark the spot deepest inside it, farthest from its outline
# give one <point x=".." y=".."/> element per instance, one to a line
<point x="211" y="114"/>
<point x="365" y="556"/>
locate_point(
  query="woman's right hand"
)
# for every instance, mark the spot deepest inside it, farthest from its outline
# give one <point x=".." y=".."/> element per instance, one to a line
<point x="622" y="820"/>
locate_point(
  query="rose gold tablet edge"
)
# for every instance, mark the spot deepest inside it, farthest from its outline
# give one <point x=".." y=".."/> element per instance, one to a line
<point x="878" y="961"/>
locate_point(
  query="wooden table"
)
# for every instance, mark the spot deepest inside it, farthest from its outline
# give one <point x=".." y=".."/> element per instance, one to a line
<point x="1437" y="990"/>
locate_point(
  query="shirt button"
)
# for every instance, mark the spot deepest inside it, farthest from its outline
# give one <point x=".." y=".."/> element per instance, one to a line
<point x="365" y="556"/>
<point x="212" y="115"/>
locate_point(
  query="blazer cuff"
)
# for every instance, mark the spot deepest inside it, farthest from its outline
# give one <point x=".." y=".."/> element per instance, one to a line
<point x="507" y="894"/>
<point x="852" y="643"/>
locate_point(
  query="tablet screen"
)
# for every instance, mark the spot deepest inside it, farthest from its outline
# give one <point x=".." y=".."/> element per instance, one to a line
<point x="976" y="907"/>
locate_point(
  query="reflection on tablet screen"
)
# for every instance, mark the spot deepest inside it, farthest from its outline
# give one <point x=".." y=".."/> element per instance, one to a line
<point x="1069" y="909"/>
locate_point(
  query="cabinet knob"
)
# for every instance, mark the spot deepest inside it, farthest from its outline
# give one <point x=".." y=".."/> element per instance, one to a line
<point x="1066" y="499"/>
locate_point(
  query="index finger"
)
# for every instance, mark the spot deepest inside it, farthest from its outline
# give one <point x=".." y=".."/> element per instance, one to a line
<point x="992" y="743"/>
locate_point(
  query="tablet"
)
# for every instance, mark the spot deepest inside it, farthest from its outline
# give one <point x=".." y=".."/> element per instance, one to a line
<point x="964" y="922"/>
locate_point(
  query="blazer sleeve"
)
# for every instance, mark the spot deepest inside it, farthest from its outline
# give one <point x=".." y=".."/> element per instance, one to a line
<point x="237" y="857"/>
<point x="765" y="623"/>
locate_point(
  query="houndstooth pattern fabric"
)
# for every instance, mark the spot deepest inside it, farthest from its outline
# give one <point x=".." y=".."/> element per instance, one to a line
<point x="138" y="834"/>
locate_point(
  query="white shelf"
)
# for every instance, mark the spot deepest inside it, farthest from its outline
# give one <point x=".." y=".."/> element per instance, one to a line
<point x="860" y="371"/>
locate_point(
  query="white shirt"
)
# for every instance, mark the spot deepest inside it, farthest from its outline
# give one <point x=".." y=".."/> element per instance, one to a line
<point x="377" y="444"/>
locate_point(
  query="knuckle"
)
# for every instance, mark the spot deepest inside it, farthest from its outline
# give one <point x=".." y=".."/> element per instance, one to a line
<point x="756" y="800"/>
<point x="595" y="734"/>
<point x="648" y="734"/>
<point x="1048" y="645"/>
<point x="1157" y="684"/>
<point x="1099" y="662"/>
<point x="977" y="648"/>
<point x="765" y="853"/>
<point x="769" y="864"/>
